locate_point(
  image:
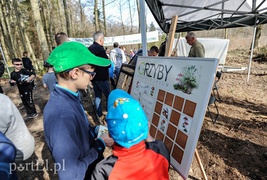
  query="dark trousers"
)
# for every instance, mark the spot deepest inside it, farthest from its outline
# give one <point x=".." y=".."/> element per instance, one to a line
<point x="99" y="88"/>
<point x="1" y="90"/>
<point x="27" y="100"/>
<point x="113" y="84"/>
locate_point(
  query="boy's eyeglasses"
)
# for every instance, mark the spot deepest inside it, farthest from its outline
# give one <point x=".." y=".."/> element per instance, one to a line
<point x="17" y="64"/>
<point x="88" y="72"/>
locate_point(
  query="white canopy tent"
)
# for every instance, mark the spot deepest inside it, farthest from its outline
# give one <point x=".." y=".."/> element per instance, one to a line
<point x="194" y="15"/>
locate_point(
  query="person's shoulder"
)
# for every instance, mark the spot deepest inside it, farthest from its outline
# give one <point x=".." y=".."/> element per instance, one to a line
<point x="25" y="59"/>
<point x="4" y="98"/>
<point x="45" y="75"/>
<point x="104" y="168"/>
<point x="198" y="43"/>
<point x="13" y="72"/>
<point x="159" y="147"/>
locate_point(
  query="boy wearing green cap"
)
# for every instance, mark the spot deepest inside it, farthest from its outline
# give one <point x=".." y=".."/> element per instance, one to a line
<point x="133" y="157"/>
<point x="68" y="134"/>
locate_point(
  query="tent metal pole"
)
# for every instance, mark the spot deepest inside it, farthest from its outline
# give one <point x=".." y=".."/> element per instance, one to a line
<point x="251" y="51"/>
<point x="5" y="61"/>
<point x="253" y="40"/>
<point x="143" y="27"/>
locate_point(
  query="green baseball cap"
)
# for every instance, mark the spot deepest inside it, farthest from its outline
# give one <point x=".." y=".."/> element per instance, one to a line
<point x="73" y="54"/>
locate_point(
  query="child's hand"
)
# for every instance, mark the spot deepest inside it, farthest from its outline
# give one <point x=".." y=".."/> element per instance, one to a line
<point x="12" y="82"/>
<point x="107" y="139"/>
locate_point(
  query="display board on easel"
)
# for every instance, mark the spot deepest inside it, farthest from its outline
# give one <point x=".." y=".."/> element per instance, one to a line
<point x="174" y="94"/>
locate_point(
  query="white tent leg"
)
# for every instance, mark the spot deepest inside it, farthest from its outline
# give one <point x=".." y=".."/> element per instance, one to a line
<point x="251" y="51"/>
<point x="5" y="61"/>
<point x="143" y="27"/>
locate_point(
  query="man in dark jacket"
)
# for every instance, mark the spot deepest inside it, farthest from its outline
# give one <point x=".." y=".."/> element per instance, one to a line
<point x="101" y="79"/>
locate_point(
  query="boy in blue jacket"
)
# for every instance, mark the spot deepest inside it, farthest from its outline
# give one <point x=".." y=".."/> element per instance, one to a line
<point x="70" y="138"/>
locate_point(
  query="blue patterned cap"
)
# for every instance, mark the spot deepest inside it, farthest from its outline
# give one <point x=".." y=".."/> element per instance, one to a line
<point x="127" y="121"/>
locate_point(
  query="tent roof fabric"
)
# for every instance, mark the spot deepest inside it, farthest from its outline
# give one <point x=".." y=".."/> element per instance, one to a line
<point x="195" y="15"/>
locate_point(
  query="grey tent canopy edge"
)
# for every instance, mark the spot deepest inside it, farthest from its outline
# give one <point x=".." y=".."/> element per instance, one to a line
<point x="241" y="15"/>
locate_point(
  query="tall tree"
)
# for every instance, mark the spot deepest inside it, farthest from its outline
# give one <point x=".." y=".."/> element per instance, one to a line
<point x="49" y="24"/>
<point x="138" y="11"/>
<point x="61" y="17"/>
<point x="82" y="18"/>
<point x="104" y="17"/>
<point x="18" y="18"/>
<point x="96" y="15"/>
<point x="67" y="16"/>
<point x="5" y="30"/>
<point x="23" y="35"/>
<point x="258" y="35"/>
<point x="121" y="16"/>
<point x="131" y="16"/>
<point x="39" y="28"/>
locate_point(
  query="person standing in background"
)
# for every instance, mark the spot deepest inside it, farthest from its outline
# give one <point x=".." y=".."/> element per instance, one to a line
<point x="23" y="79"/>
<point x="197" y="49"/>
<point x="61" y="38"/>
<point x="117" y="56"/>
<point x="153" y="51"/>
<point x="49" y="79"/>
<point x="27" y="64"/>
<point x="101" y="80"/>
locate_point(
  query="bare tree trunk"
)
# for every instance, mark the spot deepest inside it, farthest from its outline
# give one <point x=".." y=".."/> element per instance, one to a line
<point x="71" y="12"/>
<point x="139" y="25"/>
<point x="6" y="33"/>
<point x="258" y="35"/>
<point x="3" y="45"/>
<point x="96" y="15"/>
<point x="48" y="24"/>
<point x="138" y="11"/>
<point x="18" y="18"/>
<point x="61" y="17"/>
<point x="67" y="16"/>
<point x="39" y="29"/>
<point x="131" y="16"/>
<point x="82" y="18"/>
<point x="104" y="17"/>
<point x="121" y="17"/>
<point x="24" y="38"/>
<point x="225" y="33"/>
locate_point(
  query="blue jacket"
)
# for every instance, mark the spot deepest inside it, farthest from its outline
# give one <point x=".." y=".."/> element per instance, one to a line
<point x="69" y="136"/>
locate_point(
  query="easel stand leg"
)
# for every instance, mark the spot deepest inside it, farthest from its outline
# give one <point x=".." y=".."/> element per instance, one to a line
<point x="200" y="165"/>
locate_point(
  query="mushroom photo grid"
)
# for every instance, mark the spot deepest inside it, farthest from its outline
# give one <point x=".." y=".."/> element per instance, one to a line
<point x="171" y="122"/>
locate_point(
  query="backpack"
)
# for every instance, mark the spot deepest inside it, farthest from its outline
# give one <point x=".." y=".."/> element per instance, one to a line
<point x="2" y="68"/>
<point x="7" y="156"/>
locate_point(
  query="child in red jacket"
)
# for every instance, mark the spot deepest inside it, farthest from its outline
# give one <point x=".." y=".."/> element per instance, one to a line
<point x="133" y="157"/>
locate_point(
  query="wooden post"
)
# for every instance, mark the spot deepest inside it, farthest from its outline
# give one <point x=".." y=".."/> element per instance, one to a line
<point x="200" y="165"/>
<point x="172" y="30"/>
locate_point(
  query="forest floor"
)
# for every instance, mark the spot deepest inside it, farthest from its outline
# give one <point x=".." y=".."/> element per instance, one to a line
<point x="235" y="147"/>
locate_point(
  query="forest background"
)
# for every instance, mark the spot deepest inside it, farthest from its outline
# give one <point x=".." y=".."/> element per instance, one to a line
<point x="30" y="25"/>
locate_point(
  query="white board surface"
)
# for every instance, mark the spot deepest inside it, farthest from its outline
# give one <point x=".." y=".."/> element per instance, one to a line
<point x="174" y="93"/>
